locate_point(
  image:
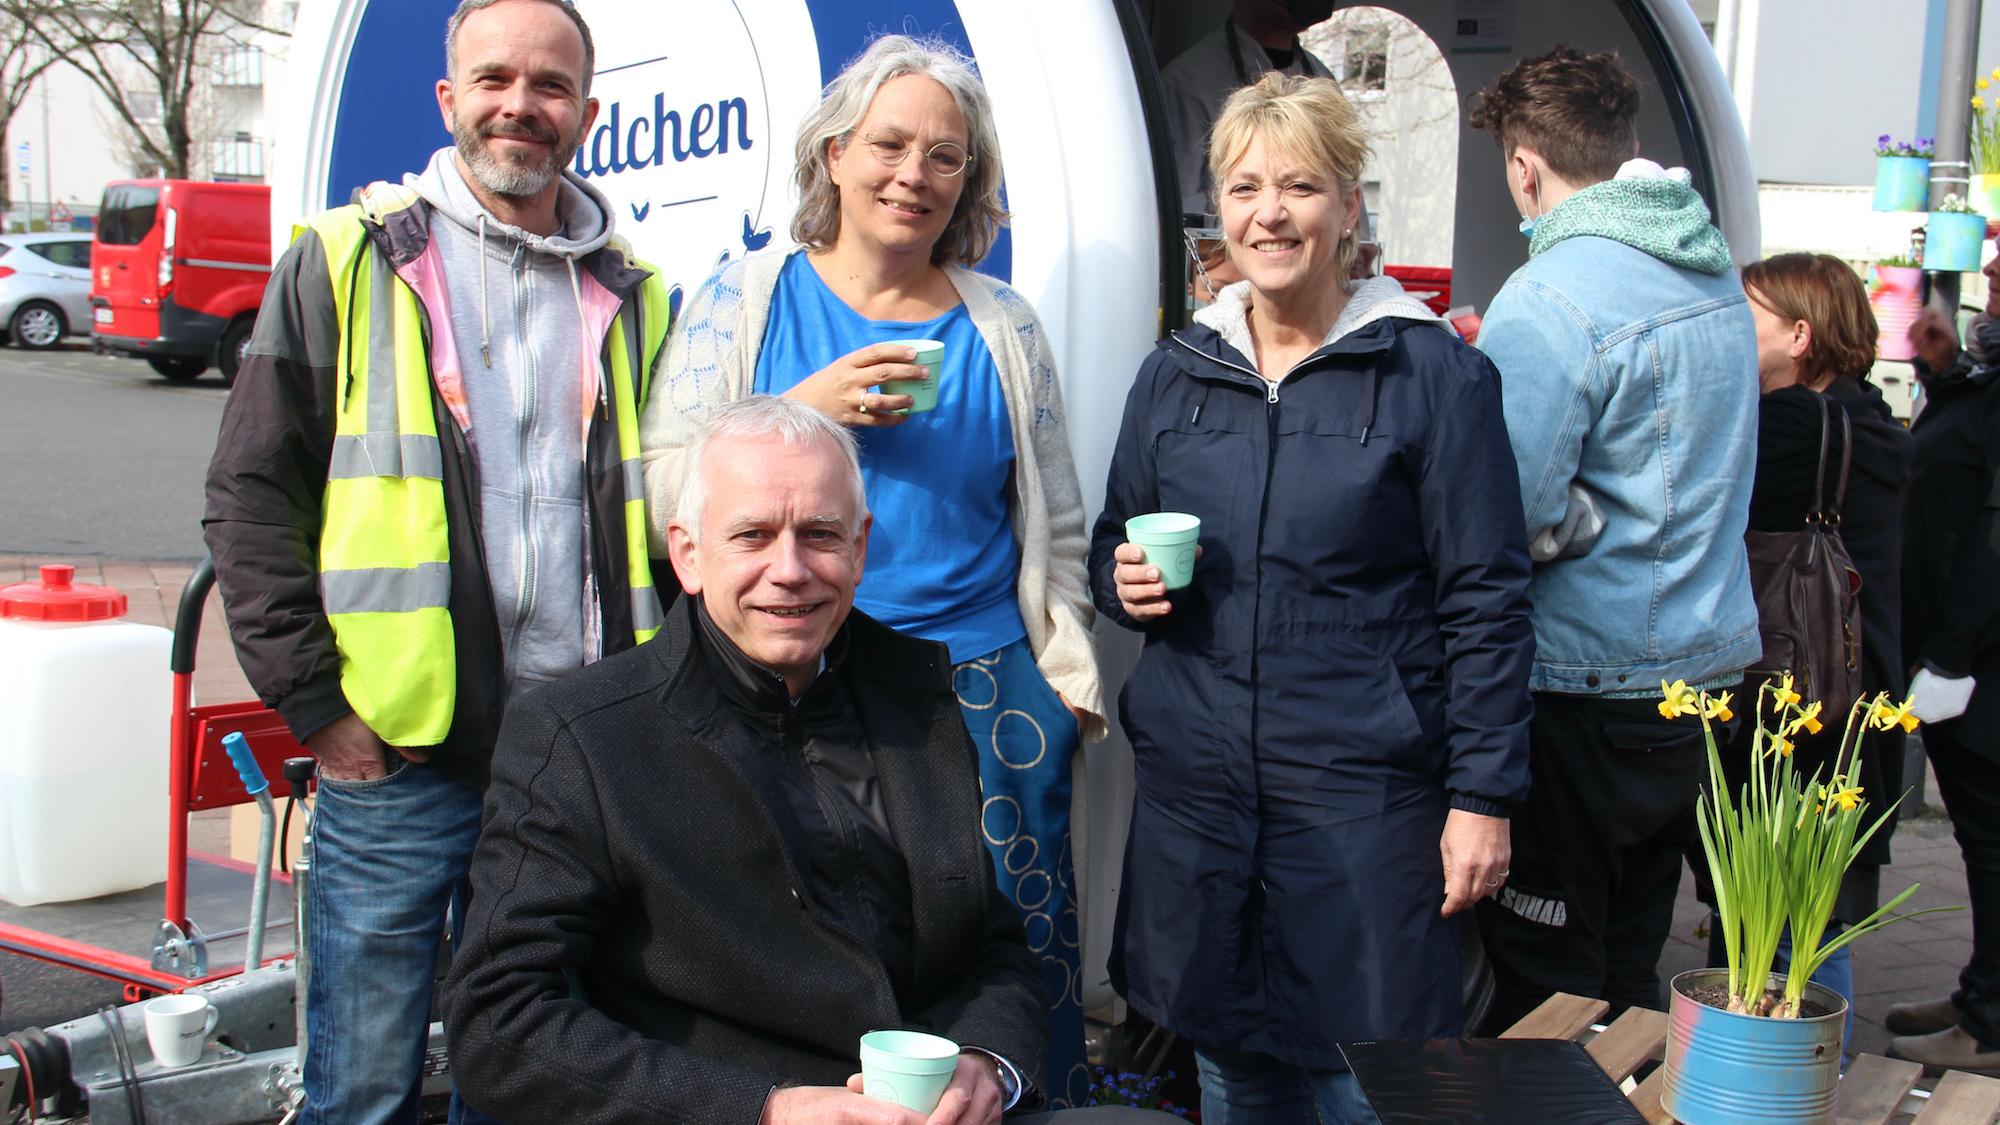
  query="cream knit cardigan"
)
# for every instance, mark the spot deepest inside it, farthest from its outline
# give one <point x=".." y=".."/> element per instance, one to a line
<point x="711" y="359"/>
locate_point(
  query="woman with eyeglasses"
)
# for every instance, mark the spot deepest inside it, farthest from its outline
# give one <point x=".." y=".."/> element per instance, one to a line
<point x="978" y="537"/>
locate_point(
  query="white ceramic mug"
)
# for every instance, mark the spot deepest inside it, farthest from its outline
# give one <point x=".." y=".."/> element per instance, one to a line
<point x="178" y="1026"/>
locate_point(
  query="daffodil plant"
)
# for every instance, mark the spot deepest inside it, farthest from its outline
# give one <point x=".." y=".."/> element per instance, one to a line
<point x="1778" y="850"/>
<point x="1986" y="125"/>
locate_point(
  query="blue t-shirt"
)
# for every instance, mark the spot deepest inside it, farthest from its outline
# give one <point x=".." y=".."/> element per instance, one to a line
<point x="942" y="561"/>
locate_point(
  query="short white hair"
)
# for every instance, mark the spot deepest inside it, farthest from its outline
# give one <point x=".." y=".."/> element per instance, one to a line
<point x="764" y="416"/>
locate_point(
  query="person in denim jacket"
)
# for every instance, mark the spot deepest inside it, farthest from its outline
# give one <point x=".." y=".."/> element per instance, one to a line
<point x="1628" y="364"/>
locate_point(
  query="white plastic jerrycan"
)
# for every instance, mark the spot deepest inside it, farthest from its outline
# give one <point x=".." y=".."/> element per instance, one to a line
<point x="84" y="702"/>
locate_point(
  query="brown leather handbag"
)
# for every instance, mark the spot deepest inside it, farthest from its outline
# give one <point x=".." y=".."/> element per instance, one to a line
<point x="1809" y="595"/>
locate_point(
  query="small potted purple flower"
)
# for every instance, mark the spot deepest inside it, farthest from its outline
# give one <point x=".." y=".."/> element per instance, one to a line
<point x="1903" y="173"/>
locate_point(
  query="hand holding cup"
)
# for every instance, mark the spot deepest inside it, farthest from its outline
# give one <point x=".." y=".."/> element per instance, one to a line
<point x="1158" y="555"/>
<point x="845" y="390"/>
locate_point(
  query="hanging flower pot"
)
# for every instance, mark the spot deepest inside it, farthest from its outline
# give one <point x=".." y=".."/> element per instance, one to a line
<point x="1895" y="292"/>
<point x="1985" y="194"/>
<point x="1725" y="1067"/>
<point x="1903" y="173"/>
<point x="1902" y="183"/>
<point x="1952" y="241"/>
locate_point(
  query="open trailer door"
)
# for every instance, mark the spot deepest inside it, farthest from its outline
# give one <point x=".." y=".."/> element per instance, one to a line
<point x="694" y="147"/>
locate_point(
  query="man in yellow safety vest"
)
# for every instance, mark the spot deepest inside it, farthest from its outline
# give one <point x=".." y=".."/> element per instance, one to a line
<point x="426" y="499"/>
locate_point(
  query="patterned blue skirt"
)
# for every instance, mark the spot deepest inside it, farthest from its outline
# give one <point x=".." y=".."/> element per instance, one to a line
<point x="1026" y="738"/>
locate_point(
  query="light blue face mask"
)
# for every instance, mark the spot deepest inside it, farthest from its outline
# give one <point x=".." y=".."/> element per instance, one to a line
<point x="1528" y="227"/>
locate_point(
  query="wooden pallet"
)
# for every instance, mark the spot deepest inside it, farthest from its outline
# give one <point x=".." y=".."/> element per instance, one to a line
<point x="1872" y="1092"/>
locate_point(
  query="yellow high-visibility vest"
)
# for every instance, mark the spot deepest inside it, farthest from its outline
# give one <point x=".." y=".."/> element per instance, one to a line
<point x="385" y="552"/>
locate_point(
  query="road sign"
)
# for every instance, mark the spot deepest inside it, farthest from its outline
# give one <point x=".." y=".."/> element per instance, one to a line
<point x="60" y="213"/>
<point x="24" y="157"/>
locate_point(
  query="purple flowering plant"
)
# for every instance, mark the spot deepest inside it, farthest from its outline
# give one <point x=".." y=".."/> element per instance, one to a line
<point x="1885" y="145"/>
<point x="1136" y="1090"/>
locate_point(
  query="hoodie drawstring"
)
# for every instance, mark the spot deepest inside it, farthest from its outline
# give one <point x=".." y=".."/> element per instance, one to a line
<point x="485" y="309"/>
<point x="1368" y="405"/>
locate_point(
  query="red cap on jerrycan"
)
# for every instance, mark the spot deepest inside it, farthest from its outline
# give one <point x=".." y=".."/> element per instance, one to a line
<point x="57" y="598"/>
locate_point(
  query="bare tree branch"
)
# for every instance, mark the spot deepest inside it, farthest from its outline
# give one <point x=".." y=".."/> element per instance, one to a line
<point x="151" y="48"/>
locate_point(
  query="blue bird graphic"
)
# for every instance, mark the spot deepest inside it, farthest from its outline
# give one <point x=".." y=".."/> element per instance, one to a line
<point x="640" y="211"/>
<point x="753" y="239"/>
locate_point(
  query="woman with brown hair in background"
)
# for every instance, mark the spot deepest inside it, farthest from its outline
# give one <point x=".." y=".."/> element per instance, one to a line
<point x="1816" y="343"/>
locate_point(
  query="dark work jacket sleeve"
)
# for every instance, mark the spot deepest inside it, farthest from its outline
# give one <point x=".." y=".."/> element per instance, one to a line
<point x="1970" y="611"/>
<point x="1478" y="546"/>
<point x="523" y="1048"/>
<point x="266" y="484"/>
<point x="1132" y="489"/>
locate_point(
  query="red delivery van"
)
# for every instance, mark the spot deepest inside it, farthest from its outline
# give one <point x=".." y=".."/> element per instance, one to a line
<point x="177" y="272"/>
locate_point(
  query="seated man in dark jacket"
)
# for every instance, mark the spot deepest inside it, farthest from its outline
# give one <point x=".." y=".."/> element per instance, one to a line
<point x="710" y="865"/>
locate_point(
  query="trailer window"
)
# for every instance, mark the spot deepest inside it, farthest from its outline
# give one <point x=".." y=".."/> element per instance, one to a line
<point x="127" y="214"/>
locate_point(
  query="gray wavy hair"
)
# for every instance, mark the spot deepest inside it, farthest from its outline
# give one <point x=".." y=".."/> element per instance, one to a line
<point x="763" y="416"/>
<point x="976" y="223"/>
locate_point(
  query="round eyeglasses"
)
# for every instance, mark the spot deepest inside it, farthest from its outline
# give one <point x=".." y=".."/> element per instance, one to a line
<point x="945" y="158"/>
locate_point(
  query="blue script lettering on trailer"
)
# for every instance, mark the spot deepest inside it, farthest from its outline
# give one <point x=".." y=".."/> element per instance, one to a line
<point x="645" y="141"/>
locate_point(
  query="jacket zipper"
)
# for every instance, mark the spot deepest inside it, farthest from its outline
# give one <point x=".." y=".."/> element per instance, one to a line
<point x="1270" y="387"/>
<point x="524" y="421"/>
<point x="1263" y="513"/>
<point x="793" y="741"/>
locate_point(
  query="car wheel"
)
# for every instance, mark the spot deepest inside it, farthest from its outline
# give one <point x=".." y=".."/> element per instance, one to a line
<point x="179" y="368"/>
<point x="37" y="325"/>
<point x="235" y="346"/>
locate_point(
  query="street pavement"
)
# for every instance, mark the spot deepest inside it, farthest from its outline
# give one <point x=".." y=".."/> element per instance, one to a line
<point x="100" y="456"/>
<point x="116" y="455"/>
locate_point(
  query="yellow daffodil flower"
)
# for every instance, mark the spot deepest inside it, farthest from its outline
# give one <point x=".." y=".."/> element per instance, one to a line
<point x="1717" y="708"/>
<point x="1996" y="74"/>
<point x="1678" y="699"/>
<point x="1978" y="102"/>
<point x="1843" y="797"/>
<point x="1985" y="83"/>
<point x="1886" y="715"/>
<point x="1807" y="721"/>
<point x="1783" y="746"/>
<point x="1783" y="693"/>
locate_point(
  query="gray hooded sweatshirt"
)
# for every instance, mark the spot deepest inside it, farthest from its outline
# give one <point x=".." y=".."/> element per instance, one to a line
<point x="518" y="326"/>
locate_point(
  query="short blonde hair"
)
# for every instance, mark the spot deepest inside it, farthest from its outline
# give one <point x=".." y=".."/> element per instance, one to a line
<point x="976" y="223"/>
<point x="1305" y="117"/>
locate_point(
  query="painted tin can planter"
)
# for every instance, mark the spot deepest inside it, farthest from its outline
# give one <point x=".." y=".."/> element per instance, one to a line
<point x="1985" y="193"/>
<point x="1724" y="1068"/>
<point x="1952" y="241"/>
<point x="1902" y="183"/>
<point x="1896" y="295"/>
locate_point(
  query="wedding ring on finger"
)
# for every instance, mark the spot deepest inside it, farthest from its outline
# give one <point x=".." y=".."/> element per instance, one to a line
<point x="863" y="407"/>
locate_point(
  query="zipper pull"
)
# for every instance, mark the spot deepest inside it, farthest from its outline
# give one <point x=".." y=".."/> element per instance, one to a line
<point x="1271" y="393"/>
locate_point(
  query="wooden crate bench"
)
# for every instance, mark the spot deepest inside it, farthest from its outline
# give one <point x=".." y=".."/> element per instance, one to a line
<point x="1874" y="1091"/>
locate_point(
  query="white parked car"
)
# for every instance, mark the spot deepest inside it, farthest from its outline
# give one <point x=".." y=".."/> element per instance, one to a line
<point x="44" y="287"/>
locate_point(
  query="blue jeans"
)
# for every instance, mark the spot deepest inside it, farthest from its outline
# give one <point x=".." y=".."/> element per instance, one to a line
<point x="388" y="856"/>
<point x="1252" y="1088"/>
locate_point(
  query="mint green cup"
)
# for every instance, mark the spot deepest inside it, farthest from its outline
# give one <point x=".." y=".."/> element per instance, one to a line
<point x="923" y="392"/>
<point x="910" y="1068"/>
<point x="1169" y="540"/>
